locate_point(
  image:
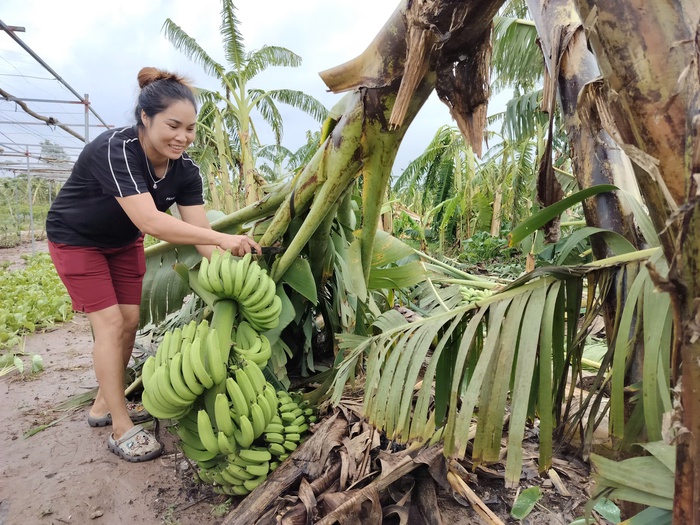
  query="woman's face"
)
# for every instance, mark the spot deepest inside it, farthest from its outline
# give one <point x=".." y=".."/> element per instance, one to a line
<point x="169" y="133"/>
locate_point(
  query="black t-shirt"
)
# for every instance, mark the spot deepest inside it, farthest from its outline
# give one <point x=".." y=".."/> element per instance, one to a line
<point x="86" y="212"/>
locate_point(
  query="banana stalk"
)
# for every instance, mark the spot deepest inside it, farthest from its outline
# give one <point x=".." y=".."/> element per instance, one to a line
<point x="225" y="311"/>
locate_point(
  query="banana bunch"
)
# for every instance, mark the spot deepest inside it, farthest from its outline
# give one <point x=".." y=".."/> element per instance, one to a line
<point x="248" y="344"/>
<point x="284" y="432"/>
<point x="237" y="416"/>
<point x="187" y="362"/>
<point x="241" y="473"/>
<point x="244" y="280"/>
<point x="238" y="434"/>
<point x="472" y="295"/>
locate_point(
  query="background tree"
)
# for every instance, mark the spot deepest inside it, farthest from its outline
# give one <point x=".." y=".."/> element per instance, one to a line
<point x="239" y="99"/>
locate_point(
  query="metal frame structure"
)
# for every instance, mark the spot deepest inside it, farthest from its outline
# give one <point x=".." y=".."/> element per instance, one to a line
<point x="29" y="156"/>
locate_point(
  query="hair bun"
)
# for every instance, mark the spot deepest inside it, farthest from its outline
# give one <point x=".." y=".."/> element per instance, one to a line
<point x="148" y="75"/>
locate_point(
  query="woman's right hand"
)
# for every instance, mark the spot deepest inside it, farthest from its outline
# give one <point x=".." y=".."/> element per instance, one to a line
<point x="239" y="245"/>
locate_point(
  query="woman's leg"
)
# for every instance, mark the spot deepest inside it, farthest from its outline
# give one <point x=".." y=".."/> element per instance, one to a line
<point x="111" y="337"/>
<point x="120" y="342"/>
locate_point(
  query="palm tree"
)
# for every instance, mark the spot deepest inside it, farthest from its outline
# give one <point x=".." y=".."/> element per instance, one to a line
<point x="239" y="99"/>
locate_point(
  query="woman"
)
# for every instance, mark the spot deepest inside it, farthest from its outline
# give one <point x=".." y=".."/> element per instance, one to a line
<point x="120" y="188"/>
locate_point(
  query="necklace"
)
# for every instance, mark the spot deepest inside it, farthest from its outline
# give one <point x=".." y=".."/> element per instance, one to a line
<point x="165" y="173"/>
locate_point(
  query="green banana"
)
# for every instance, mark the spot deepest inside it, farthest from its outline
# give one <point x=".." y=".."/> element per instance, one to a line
<point x="273" y="437"/>
<point x="240" y="404"/>
<point x="252" y="484"/>
<point x="241" y="270"/>
<point x="276" y="449"/>
<point x="293" y="437"/>
<point x="265" y="318"/>
<point x="163" y="348"/>
<point x="244" y="434"/>
<point x="225" y="273"/>
<point x="203" y="275"/>
<point x="189" y="331"/>
<point x="202" y="330"/>
<point x="269" y="393"/>
<point x="274" y="428"/>
<point x="196" y="454"/>
<point x="226" y="445"/>
<point x="240" y="491"/>
<point x="176" y="341"/>
<point x="246" y="386"/>
<point x="259" y="455"/>
<point x="288" y="407"/>
<point x="222" y="415"/>
<point x="266" y="289"/>
<point x="255" y="375"/>
<point x="214" y="272"/>
<point x="149" y="366"/>
<point x="190" y="438"/>
<point x="265" y="406"/>
<point x="197" y="361"/>
<point x="259" y="470"/>
<point x="228" y="273"/>
<point x="290" y="446"/>
<point x="168" y="392"/>
<point x="246" y="335"/>
<point x="187" y="372"/>
<point x="251" y="278"/>
<point x="206" y="432"/>
<point x="238" y="472"/>
<point x="156" y="409"/>
<point x="291" y="429"/>
<point x="177" y="380"/>
<point x="258" y="420"/>
<point x="231" y="480"/>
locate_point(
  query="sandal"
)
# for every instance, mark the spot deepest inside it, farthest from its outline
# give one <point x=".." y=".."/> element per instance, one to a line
<point x="135" y="445"/>
<point x="137" y="413"/>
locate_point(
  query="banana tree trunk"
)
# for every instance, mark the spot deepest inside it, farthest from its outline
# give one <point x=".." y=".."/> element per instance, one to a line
<point x="213" y="192"/>
<point x="392" y="79"/>
<point x="647" y="54"/>
<point x="572" y="70"/>
<point x="596" y="157"/>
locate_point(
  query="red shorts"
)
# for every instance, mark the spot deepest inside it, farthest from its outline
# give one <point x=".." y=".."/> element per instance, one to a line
<point x="97" y="278"/>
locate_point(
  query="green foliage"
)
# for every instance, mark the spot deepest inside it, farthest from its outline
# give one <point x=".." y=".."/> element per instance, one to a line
<point x="493" y="253"/>
<point x="33" y="297"/>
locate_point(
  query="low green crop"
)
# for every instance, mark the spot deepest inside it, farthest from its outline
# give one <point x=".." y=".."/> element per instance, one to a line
<point x="32" y="298"/>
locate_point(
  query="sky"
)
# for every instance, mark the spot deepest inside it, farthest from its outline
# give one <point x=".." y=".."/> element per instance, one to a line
<point x="98" y="48"/>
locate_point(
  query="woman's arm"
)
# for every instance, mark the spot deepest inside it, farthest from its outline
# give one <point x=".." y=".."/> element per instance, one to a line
<point x="143" y="213"/>
<point x="196" y="216"/>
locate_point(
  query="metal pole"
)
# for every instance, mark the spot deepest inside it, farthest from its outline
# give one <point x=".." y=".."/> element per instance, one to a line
<point x="31" y="208"/>
<point x="36" y="57"/>
<point x="87" y="118"/>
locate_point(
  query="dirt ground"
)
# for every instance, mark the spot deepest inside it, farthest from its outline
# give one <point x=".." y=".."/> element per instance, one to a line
<point x="65" y="473"/>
